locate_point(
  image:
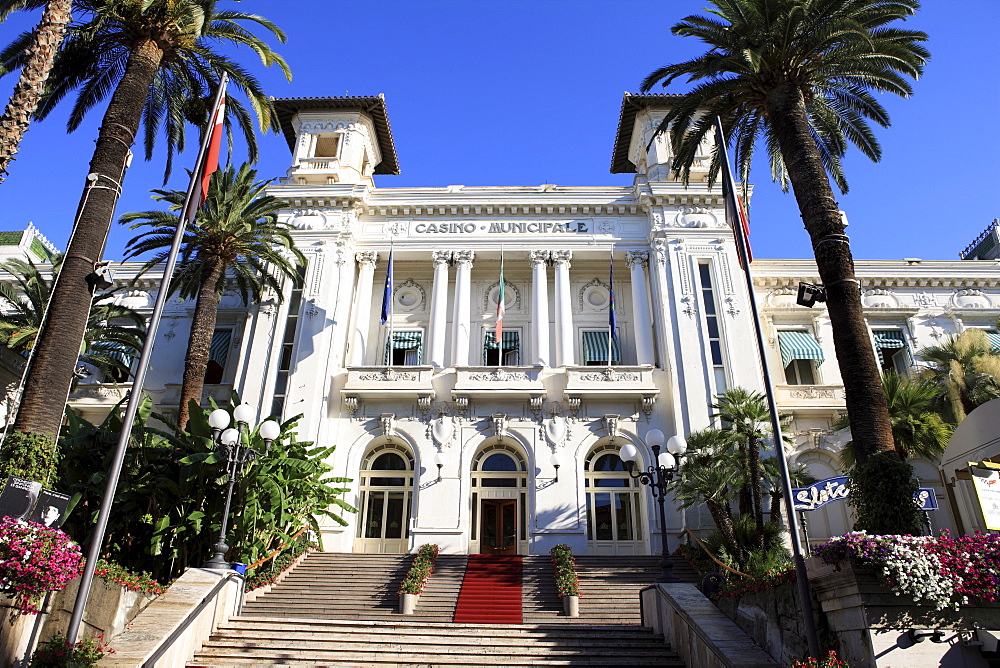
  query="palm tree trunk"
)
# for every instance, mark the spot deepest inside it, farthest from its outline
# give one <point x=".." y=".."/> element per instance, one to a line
<point x="31" y="84"/>
<point x="206" y="310"/>
<point x="58" y="346"/>
<point x="753" y="447"/>
<point x="866" y="403"/>
<point x="724" y="522"/>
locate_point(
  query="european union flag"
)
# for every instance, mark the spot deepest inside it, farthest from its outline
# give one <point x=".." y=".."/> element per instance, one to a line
<point x="387" y="293"/>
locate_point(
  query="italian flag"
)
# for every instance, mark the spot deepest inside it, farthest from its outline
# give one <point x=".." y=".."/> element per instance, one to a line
<point x="501" y="308"/>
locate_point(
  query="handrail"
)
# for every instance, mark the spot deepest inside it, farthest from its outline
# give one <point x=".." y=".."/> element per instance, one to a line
<point x="712" y="556"/>
<point x="191" y="616"/>
<point x="276" y="552"/>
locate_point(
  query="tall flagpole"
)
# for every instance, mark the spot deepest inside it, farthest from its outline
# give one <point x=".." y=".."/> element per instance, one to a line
<point x="612" y="320"/>
<point x="801" y="578"/>
<point x="135" y="394"/>
<point x="391" y="300"/>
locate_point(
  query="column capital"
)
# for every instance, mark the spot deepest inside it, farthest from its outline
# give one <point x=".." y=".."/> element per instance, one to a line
<point x="464" y="256"/>
<point x="440" y="257"/>
<point x="636" y="258"/>
<point x="562" y="257"/>
<point x="366" y="257"/>
<point x="537" y="257"/>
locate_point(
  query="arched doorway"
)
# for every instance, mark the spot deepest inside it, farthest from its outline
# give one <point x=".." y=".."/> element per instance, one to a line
<point x="614" y="512"/>
<point x="385" y="501"/>
<point x="499" y="501"/>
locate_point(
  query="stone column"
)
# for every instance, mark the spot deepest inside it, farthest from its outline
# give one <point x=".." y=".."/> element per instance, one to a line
<point x="462" y="319"/>
<point x="362" y="307"/>
<point x="564" y="309"/>
<point x="642" y="322"/>
<point x="539" y="306"/>
<point x="439" y="306"/>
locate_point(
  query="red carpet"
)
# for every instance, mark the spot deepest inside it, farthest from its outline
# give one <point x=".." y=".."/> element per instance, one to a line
<point x="491" y="591"/>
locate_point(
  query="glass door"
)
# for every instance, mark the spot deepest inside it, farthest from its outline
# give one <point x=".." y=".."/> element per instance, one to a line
<point x="498" y="527"/>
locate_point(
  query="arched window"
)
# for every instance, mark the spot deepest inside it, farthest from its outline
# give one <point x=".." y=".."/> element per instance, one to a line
<point x="499" y="501"/>
<point x="386" y="499"/>
<point x="614" y="517"/>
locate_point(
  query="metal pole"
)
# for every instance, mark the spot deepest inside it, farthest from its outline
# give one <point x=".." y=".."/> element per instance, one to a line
<point x="659" y="485"/>
<point x="135" y="396"/>
<point x="801" y="578"/>
<point x="218" y="559"/>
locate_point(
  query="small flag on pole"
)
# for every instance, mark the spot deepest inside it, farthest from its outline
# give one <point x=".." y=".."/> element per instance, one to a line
<point x="612" y="319"/>
<point x="211" y="163"/>
<point x="387" y="293"/>
<point x="736" y="215"/>
<point x="501" y="306"/>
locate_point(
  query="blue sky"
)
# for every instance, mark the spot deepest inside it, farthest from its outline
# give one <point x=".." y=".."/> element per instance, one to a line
<point x="524" y="93"/>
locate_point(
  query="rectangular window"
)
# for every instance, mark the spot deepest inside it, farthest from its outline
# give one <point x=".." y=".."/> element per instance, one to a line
<point x="713" y="333"/>
<point x="218" y="355"/>
<point x="121" y="354"/>
<point x="287" y="345"/>
<point x="800" y="353"/>
<point x="326" y="146"/>
<point x="406" y="349"/>
<point x="893" y="353"/>
<point x="595" y="349"/>
<point x="506" y="353"/>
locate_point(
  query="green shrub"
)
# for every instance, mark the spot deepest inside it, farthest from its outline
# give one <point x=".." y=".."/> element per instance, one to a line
<point x="28" y="455"/>
<point x="881" y="493"/>
<point x="420" y="570"/>
<point x="59" y="653"/>
<point x="567" y="581"/>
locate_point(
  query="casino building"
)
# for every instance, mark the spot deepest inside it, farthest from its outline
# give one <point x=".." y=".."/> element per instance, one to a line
<point x="507" y="446"/>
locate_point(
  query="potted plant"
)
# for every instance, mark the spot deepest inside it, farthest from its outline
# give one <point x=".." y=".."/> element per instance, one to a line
<point x="416" y="578"/>
<point x="567" y="581"/>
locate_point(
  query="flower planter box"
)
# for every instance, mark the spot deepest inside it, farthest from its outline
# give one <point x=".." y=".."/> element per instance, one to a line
<point x="408" y="603"/>
<point x="872" y="623"/>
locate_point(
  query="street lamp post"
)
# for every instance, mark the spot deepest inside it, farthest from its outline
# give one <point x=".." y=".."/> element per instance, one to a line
<point x="229" y="442"/>
<point x="656" y="476"/>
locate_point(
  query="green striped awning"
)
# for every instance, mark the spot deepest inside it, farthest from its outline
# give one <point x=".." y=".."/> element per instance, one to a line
<point x="994" y="338"/>
<point x="889" y="338"/>
<point x="405" y="341"/>
<point x="797" y="345"/>
<point x="218" y="351"/>
<point x="510" y="340"/>
<point x="595" y="348"/>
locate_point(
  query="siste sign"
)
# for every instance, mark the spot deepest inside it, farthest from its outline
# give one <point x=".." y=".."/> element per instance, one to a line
<point x="824" y="492"/>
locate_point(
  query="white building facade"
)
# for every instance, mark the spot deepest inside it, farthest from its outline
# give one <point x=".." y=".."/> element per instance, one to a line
<point x="484" y="446"/>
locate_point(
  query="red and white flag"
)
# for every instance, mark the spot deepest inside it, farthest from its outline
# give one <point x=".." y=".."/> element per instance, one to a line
<point x="211" y="162"/>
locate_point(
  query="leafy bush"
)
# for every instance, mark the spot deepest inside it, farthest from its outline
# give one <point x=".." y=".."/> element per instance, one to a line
<point x="758" y="563"/>
<point x="35" y="559"/>
<point x="830" y="660"/>
<point x="875" y="488"/>
<point x="59" y="653"/>
<point x="261" y="577"/>
<point x="140" y="582"/>
<point x="567" y="581"/>
<point x="28" y="455"/>
<point x="420" y="570"/>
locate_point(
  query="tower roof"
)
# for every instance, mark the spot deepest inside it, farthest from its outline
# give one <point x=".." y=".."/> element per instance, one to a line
<point x="374" y="106"/>
<point x="631" y="105"/>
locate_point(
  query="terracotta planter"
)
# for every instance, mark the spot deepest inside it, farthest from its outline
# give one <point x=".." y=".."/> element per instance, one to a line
<point x="571" y="606"/>
<point x="408" y="603"/>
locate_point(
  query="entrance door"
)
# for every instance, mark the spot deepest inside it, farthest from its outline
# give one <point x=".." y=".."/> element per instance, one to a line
<point x="498" y="528"/>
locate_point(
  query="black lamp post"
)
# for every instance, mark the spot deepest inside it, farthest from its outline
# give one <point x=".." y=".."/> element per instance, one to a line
<point x="229" y="442"/>
<point x="656" y="477"/>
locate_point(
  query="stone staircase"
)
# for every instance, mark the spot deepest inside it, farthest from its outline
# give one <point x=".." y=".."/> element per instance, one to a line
<point x="290" y="642"/>
<point x="609" y="588"/>
<point x="341" y="610"/>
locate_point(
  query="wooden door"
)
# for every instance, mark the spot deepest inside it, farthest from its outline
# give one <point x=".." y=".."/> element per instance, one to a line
<point x="498" y="528"/>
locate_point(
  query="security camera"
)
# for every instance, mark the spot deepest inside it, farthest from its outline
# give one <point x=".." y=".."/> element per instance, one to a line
<point x="102" y="278"/>
<point x="809" y="294"/>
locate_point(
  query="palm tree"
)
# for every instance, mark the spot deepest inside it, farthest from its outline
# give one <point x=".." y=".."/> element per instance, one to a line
<point x="30" y="87"/>
<point x="114" y="332"/>
<point x="153" y="57"/>
<point x="800" y="76"/>
<point x="710" y="474"/>
<point x="918" y="430"/>
<point x="745" y="413"/>
<point x="798" y="474"/>
<point x="236" y="235"/>
<point x="965" y="370"/>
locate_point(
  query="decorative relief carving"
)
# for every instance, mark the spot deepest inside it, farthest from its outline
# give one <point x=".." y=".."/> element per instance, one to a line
<point x="312" y="219"/>
<point x="463" y="256"/>
<point x="410" y="296"/>
<point x="442" y="430"/>
<point x="812" y="393"/>
<point x="925" y="300"/>
<point x="594" y="295"/>
<point x="683" y="274"/>
<point x="971" y="298"/>
<point x="660" y="251"/>
<point x="879" y="298"/>
<point x="439" y="257"/>
<point x="366" y="257"/>
<point x="611" y="425"/>
<point x="647" y="406"/>
<point x="500" y="375"/>
<point x="602" y="227"/>
<point x="535" y="404"/>
<point x="537" y="257"/>
<point x="731" y="307"/>
<point x="500" y="424"/>
<point x="560" y="257"/>
<point x="388" y="422"/>
<point x="690" y="310"/>
<point x="512" y="296"/>
<point x="389" y="375"/>
<point x="633" y="258"/>
<point x="696" y="217"/>
<point x="610" y="375"/>
<point x="351" y="403"/>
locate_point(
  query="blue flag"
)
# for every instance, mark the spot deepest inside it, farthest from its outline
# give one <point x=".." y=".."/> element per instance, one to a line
<point x="387" y="293"/>
<point x="612" y="320"/>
